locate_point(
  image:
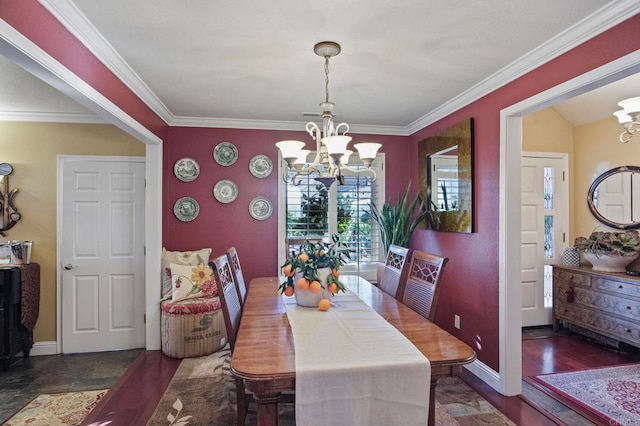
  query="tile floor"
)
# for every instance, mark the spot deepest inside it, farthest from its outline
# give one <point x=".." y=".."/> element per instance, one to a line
<point x="26" y="378"/>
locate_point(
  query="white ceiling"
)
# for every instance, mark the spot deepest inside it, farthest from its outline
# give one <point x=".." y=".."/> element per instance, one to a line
<point x="240" y="63"/>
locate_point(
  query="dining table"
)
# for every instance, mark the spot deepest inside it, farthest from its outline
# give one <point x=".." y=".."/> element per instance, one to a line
<point x="264" y="353"/>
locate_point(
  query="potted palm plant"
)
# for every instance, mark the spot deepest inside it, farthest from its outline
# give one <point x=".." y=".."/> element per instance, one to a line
<point x="397" y="220"/>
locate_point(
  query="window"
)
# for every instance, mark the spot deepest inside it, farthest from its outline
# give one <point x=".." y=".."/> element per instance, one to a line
<point x="313" y="212"/>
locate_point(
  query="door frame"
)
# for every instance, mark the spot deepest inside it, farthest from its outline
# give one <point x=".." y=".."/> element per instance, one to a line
<point x="23" y="52"/>
<point x="564" y="185"/>
<point x="508" y="380"/>
<point x="62" y="160"/>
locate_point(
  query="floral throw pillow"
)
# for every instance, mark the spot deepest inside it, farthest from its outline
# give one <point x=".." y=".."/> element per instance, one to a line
<point x="189" y="281"/>
<point x="193" y="258"/>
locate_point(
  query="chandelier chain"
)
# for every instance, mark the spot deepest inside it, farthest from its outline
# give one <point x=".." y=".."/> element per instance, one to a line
<point x="326" y="78"/>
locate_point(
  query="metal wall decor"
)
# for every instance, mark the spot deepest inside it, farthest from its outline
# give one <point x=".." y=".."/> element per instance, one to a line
<point x="9" y="214"/>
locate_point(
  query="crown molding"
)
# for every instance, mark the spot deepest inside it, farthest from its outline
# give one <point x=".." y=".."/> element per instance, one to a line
<point x="606" y="17"/>
<point x="73" y="20"/>
<point x="601" y="20"/>
<point x="233" y="123"/>
<point x="51" y="117"/>
<point x="25" y="53"/>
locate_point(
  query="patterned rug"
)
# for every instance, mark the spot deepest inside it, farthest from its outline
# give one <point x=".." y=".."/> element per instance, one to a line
<point x="611" y="393"/>
<point x="202" y="392"/>
<point x="68" y="408"/>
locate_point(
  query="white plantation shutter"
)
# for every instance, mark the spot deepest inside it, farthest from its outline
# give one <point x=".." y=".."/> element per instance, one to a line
<point x="348" y="214"/>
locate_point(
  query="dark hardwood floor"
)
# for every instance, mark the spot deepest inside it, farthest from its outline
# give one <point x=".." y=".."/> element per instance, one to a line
<point x="133" y="398"/>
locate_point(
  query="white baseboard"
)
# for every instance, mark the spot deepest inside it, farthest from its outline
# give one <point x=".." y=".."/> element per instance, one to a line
<point x="43" y="348"/>
<point x="486" y="374"/>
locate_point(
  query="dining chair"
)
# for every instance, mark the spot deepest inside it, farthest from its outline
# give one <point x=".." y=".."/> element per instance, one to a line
<point x="236" y="270"/>
<point x="395" y="271"/>
<point x="231" y="311"/>
<point x="422" y="286"/>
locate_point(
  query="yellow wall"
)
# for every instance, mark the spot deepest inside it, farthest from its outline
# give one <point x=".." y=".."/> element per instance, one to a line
<point x="548" y="131"/>
<point x="598" y="149"/>
<point x="32" y="149"/>
<point x="593" y="149"/>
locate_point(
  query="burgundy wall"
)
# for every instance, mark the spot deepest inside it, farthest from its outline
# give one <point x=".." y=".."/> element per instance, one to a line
<point x="470" y="283"/>
<point x="220" y="226"/>
<point x="471" y="279"/>
<point x="32" y="20"/>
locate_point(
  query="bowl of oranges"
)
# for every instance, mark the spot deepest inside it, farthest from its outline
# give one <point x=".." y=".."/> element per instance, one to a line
<point x="312" y="274"/>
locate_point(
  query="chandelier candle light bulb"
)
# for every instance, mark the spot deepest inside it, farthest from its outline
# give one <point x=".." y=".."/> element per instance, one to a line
<point x="332" y="154"/>
<point x="629" y="118"/>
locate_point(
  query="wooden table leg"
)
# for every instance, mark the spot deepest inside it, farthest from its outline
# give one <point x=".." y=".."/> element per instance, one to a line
<point x="432" y="401"/>
<point x="267" y="410"/>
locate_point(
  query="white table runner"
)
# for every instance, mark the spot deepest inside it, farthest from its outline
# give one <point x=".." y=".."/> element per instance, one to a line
<point x="354" y="368"/>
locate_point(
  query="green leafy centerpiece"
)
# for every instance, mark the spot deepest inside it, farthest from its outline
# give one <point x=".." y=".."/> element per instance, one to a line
<point x="313" y="273"/>
<point x="610" y="251"/>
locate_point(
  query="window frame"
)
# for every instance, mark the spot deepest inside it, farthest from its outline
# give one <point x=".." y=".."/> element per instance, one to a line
<point x="367" y="271"/>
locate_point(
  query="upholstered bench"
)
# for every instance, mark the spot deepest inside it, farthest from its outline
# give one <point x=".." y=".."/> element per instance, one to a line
<point x="192" y="327"/>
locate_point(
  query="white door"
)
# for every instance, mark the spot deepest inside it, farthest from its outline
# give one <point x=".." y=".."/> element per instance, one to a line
<point x="544" y="231"/>
<point x="102" y="253"/>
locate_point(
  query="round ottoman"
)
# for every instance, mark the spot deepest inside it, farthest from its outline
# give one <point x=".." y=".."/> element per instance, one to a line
<point x="192" y="327"/>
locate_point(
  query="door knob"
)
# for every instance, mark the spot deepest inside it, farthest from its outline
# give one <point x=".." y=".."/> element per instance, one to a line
<point x="69" y="266"/>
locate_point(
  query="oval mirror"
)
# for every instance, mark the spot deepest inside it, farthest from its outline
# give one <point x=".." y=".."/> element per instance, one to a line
<point x="614" y="197"/>
<point x="5" y="169"/>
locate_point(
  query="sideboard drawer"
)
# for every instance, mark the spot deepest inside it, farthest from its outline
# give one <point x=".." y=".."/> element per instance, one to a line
<point x="624" y="288"/>
<point x="602" y="302"/>
<point x="599" y="322"/>
<point x="616" y="305"/>
<point x="571" y="278"/>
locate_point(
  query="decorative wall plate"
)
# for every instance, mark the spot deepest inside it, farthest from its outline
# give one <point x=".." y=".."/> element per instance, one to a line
<point x="260" y="166"/>
<point x="186" y="169"/>
<point x="186" y="209"/>
<point x="225" y="153"/>
<point x="225" y="191"/>
<point x="260" y="208"/>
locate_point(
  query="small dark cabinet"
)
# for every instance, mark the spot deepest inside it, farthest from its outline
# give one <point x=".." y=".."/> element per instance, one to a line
<point x="13" y="335"/>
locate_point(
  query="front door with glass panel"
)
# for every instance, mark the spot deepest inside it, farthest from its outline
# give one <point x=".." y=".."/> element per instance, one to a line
<point x="544" y="231"/>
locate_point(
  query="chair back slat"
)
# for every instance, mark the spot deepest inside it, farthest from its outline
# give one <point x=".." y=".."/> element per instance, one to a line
<point x="234" y="261"/>
<point x="231" y="309"/>
<point x="423" y="283"/>
<point x="395" y="271"/>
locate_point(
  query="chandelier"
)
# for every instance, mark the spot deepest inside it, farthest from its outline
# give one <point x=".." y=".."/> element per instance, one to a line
<point x="629" y="117"/>
<point x="332" y="155"/>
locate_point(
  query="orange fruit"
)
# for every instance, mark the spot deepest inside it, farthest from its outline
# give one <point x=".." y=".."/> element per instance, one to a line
<point x="288" y="291"/>
<point x="333" y="288"/>
<point x="303" y="257"/>
<point x="302" y="283"/>
<point x="324" y="304"/>
<point x="288" y="271"/>
<point x="315" y="287"/>
<point x="335" y="273"/>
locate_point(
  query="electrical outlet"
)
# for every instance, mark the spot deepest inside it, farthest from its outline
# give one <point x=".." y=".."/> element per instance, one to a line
<point x="456" y="321"/>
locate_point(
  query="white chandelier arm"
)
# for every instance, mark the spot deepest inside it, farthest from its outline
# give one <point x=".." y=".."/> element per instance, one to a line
<point x="370" y="172"/>
<point x="631" y="128"/>
<point x="337" y="129"/>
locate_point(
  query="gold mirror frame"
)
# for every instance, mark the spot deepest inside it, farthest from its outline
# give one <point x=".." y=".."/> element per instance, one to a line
<point x="460" y="218"/>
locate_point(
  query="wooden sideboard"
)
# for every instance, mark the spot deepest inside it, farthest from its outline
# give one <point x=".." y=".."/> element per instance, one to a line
<point x="603" y="302"/>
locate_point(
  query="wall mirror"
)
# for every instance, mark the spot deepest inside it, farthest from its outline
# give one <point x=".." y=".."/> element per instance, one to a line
<point x="446" y="178"/>
<point x="614" y="197"/>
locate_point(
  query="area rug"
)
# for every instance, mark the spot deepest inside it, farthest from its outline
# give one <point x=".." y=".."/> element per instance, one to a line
<point x="202" y="392"/>
<point x="611" y="393"/>
<point x="68" y="408"/>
